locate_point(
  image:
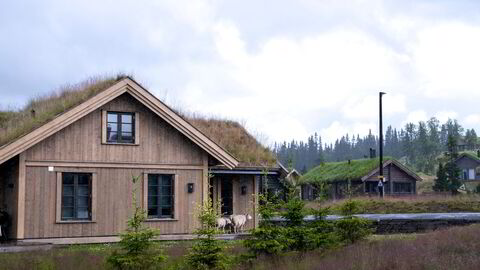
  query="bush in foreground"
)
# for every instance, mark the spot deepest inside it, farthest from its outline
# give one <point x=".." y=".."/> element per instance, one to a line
<point x="136" y="252"/>
<point x="207" y="252"/>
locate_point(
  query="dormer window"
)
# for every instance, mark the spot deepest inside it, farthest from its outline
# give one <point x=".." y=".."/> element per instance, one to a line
<point x="120" y="127"/>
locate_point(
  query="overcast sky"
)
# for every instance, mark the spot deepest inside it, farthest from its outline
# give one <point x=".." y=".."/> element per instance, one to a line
<point x="284" y="68"/>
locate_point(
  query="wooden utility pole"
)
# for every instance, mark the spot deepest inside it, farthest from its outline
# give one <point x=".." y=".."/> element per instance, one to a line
<point x="380" y="147"/>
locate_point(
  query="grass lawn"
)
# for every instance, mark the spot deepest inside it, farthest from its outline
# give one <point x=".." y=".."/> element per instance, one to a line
<point x="417" y="204"/>
<point x="454" y="248"/>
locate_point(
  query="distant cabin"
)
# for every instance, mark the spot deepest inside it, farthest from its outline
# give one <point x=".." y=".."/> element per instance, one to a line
<point x="66" y="169"/>
<point x="359" y="177"/>
<point x="469" y="165"/>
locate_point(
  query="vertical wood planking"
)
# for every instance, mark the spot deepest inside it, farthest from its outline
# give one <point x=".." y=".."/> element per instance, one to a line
<point x="21" y="197"/>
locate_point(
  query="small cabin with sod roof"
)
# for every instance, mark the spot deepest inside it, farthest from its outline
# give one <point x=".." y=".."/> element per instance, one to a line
<point x="469" y="165"/>
<point x="359" y="177"/>
<point x="67" y="161"/>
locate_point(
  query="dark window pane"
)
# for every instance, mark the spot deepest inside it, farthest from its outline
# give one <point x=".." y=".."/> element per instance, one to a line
<point x="127" y="137"/>
<point x="76" y="196"/>
<point x="82" y="201"/>
<point x="166" y="180"/>
<point x="152" y="211"/>
<point x="67" y="201"/>
<point x="126" y="128"/>
<point x="166" y="200"/>
<point x="126" y="118"/>
<point x="67" y="190"/>
<point x="152" y="191"/>
<point x="83" y="179"/>
<point x="112" y="136"/>
<point x="166" y="190"/>
<point x="166" y="211"/>
<point x="112" y="117"/>
<point x="68" y="179"/>
<point x="152" y="179"/>
<point x="152" y="200"/>
<point x="82" y="213"/>
<point x="112" y="127"/>
<point x="67" y="212"/>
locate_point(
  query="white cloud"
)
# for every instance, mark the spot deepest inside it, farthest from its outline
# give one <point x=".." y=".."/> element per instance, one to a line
<point x="447" y="60"/>
<point x="367" y="107"/>
<point x="443" y="116"/>
<point x="336" y="130"/>
<point x="472" y="119"/>
<point x="415" y="117"/>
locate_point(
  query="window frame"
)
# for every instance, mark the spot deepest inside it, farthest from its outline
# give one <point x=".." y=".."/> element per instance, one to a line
<point x="92" y="197"/>
<point x="135" y="127"/>
<point x="175" y="195"/>
<point x="399" y="185"/>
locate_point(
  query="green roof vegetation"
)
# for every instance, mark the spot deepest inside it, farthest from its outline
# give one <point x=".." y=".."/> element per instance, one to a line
<point x="470" y="154"/>
<point x="338" y="171"/>
<point x="234" y="138"/>
<point x="230" y="135"/>
<point x="42" y="109"/>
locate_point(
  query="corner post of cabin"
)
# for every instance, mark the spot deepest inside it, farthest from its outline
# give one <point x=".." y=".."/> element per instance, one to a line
<point x="21" y="197"/>
<point x="205" y="179"/>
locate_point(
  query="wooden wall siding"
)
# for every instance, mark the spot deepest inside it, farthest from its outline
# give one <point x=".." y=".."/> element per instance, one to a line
<point x="396" y="175"/>
<point x="242" y="204"/>
<point x="9" y="192"/>
<point x="466" y="163"/>
<point x="113" y="203"/>
<point x="81" y="141"/>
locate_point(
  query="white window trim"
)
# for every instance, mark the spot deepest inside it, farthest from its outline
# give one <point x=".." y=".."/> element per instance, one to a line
<point x="58" y="212"/>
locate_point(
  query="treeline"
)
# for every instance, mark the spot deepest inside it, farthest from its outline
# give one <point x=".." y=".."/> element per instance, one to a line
<point x="417" y="145"/>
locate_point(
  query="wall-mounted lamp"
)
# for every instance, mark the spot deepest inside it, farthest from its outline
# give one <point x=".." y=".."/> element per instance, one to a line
<point x="243" y="190"/>
<point x="190" y="187"/>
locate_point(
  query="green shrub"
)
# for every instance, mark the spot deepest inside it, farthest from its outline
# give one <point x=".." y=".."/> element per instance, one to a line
<point x="351" y="229"/>
<point x="350" y="207"/>
<point x="207" y="252"/>
<point x="323" y="232"/>
<point x="135" y="242"/>
<point x="267" y="239"/>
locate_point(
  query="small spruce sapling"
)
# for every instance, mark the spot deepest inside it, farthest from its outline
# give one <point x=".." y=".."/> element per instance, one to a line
<point x="136" y="245"/>
<point x="207" y="252"/>
<point x="350" y="228"/>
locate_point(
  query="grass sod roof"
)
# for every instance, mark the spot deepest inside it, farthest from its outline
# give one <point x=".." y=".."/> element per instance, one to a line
<point x="470" y="154"/>
<point x="338" y="171"/>
<point x="234" y="138"/>
<point x="230" y="135"/>
<point x="42" y="109"/>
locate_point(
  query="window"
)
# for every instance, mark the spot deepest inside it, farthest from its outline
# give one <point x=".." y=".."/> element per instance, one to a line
<point x="371" y="186"/>
<point x="76" y="200"/>
<point x="160" y="195"/>
<point x="471" y="174"/>
<point x="120" y="127"/>
<point x="402" y="187"/>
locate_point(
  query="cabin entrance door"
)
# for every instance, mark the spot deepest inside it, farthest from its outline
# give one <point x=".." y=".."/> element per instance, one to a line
<point x="226" y="195"/>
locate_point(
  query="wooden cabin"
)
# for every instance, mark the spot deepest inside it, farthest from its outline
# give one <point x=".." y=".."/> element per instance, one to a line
<point x="67" y="174"/>
<point x="359" y="177"/>
<point x="469" y="165"/>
